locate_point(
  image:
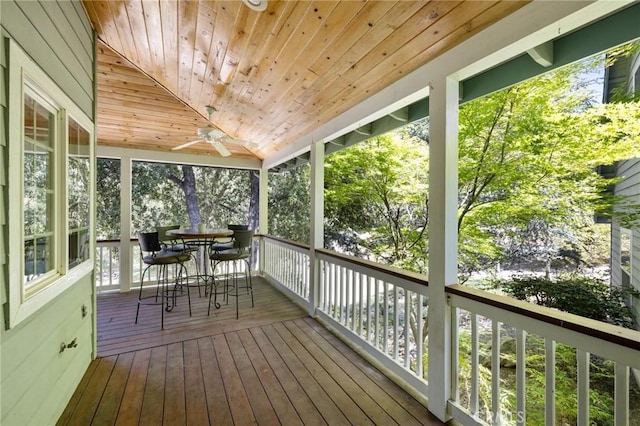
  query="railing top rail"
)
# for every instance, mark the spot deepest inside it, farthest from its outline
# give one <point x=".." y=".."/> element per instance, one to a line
<point x="387" y="269"/>
<point x="607" y="332"/>
<point x="289" y="242"/>
<point x="98" y="241"/>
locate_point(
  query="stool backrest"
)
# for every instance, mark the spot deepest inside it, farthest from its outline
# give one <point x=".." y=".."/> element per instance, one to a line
<point x="242" y="239"/>
<point x="149" y="242"/>
<point x="237" y="227"/>
<point x="162" y="232"/>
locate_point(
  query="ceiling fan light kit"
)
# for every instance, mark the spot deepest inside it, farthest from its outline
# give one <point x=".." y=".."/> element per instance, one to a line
<point x="257" y="5"/>
<point x="214" y="136"/>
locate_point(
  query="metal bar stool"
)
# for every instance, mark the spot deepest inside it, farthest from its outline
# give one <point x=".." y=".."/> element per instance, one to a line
<point x="240" y="252"/>
<point x="152" y="254"/>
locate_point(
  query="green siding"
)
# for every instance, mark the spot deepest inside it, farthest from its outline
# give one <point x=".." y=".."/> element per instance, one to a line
<point x="34" y="372"/>
<point x="28" y="23"/>
<point x="36" y="380"/>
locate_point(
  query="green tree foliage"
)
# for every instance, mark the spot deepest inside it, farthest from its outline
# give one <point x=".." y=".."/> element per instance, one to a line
<point x="158" y="196"/>
<point x="527" y="166"/>
<point x="289" y="204"/>
<point x="376" y="200"/>
<point x="584" y="296"/>
<point x="108" y="198"/>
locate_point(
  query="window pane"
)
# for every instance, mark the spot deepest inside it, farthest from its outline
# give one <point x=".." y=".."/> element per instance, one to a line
<point x="78" y="193"/>
<point x="38" y="200"/>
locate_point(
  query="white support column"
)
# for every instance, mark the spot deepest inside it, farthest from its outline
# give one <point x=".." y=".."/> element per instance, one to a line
<point x="443" y="235"/>
<point x="126" y="265"/>
<point x="263" y="219"/>
<point x="317" y="221"/>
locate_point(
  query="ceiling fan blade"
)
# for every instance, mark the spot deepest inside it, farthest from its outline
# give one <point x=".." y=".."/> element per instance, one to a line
<point x="248" y="144"/>
<point x="184" y="145"/>
<point x="220" y="148"/>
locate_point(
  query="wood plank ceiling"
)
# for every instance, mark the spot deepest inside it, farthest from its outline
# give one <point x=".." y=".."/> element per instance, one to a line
<point x="273" y="76"/>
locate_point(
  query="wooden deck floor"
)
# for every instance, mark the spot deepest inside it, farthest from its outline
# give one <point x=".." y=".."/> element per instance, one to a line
<point x="274" y="365"/>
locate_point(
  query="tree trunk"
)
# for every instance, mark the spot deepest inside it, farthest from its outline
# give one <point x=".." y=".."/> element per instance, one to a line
<point x="188" y="185"/>
<point x="254" y="201"/>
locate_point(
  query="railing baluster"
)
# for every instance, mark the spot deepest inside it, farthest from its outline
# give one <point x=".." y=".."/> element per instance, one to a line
<point x="370" y="311"/>
<point x="396" y="319"/>
<point x="376" y="313"/>
<point x="110" y="268"/>
<point x="455" y="354"/>
<point x="99" y="271"/>
<point x="348" y="320"/>
<point x="385" y="338"/>
<point x="361" y="278"/>
<point x="621" y="413"/>
<point x="495" y="372"/>
<point x="357" y="303"/>
<point x="332" y="292"/>
<point x="475" y="368"/>
<point x="550" y="381"/>
<point x="582" y="358"/>
<point x="521" y="377"/>
<point x="407" y="317"/>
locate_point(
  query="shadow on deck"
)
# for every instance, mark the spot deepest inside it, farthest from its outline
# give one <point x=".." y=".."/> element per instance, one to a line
<point x="274" y="365"/>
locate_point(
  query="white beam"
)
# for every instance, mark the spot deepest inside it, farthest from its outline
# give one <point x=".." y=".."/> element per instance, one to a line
<point x="126" y="267"/>
<point x="263" y="220"/>
<point x="443" y="235"/>
<point x="178" y="158"/>
<point x="317" y="220"/>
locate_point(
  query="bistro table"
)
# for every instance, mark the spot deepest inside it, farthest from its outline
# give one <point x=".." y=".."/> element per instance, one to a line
<point x="206" y="234"/>
<point x="203" y="238"/>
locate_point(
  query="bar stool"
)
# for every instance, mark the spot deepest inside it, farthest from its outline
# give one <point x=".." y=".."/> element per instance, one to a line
<point x="240" y="252"/>
<point x="152" y="254"/>
<point x="170" y="243"/>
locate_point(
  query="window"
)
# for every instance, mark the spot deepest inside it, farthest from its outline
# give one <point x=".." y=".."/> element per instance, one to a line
<point x="39" y="152"/>
<point x="78" y="190"/>
<point x="50" y="170"/>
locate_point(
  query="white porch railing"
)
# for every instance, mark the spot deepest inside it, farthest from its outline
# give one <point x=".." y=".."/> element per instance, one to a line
<point x="383" y="312"/>
<point x="368" y="304"/>
<point x="287" y="264"/>
<point x="107" y="265"/>
<point x="483" y="322"/>
<point x="110" y="277"/>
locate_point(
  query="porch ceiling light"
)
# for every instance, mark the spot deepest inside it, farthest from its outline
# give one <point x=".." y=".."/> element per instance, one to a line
<point x="257" y="5"/>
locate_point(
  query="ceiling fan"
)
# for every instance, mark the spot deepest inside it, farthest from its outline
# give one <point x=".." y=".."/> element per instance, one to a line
<point x="215" y="137"/>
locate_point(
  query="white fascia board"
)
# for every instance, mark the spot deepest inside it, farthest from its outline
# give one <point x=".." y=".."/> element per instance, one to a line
<point x="178" y="158"/>
<point x="526" y="28"/>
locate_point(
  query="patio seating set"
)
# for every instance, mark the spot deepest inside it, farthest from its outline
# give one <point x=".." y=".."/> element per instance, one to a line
<point x="223" y="274"/>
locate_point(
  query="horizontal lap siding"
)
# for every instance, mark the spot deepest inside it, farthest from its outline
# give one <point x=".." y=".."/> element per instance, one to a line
<point x="57" y="42"/>
<point x="629" y="186"/>
<point x="36" y="379"/>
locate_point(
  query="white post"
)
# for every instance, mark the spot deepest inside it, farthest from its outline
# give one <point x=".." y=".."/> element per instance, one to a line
<point x="126" y="265"/>
<point x="317" y="222"/>
<point x="443" y="235"/>
<point x="263" y="209"/>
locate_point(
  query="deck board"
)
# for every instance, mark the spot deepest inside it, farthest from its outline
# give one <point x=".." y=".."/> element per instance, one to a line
<point x="274" y="365"/>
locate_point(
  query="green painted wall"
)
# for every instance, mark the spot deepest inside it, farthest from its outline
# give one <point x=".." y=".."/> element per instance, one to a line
<point x="36" y="380"/>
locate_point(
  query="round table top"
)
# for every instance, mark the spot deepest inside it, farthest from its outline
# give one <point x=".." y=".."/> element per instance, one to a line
<point x="196" y="233"/>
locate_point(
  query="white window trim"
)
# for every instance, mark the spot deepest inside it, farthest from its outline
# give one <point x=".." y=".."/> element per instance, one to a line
<point x="21" y="70"/>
